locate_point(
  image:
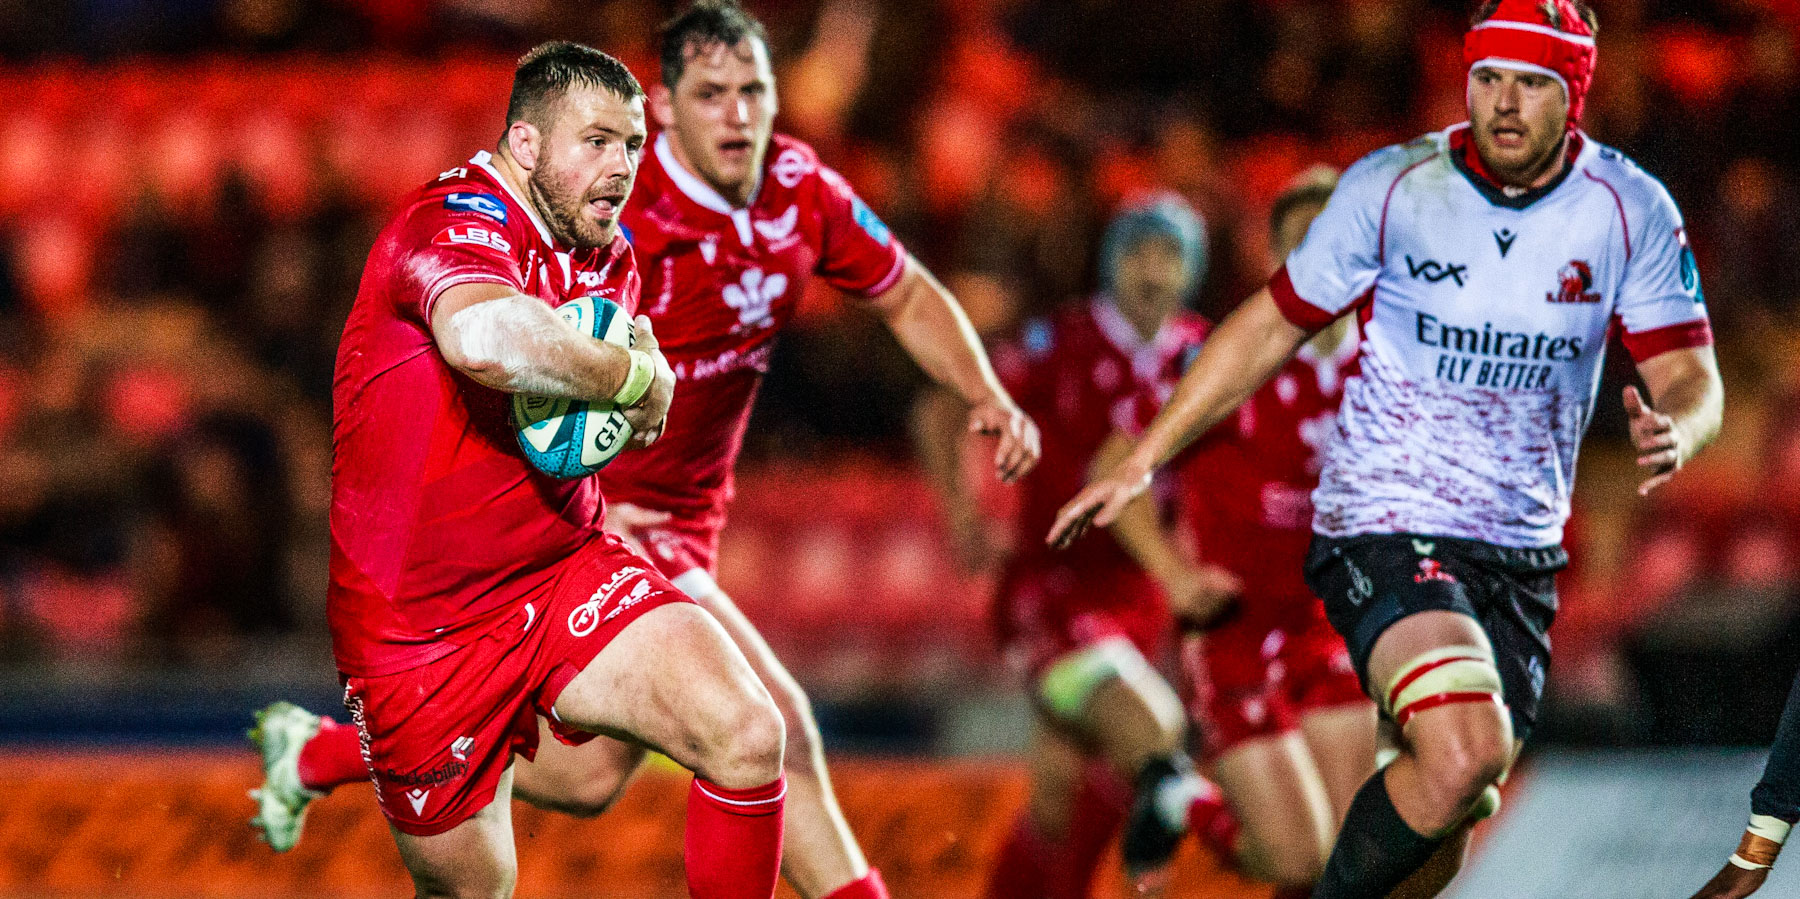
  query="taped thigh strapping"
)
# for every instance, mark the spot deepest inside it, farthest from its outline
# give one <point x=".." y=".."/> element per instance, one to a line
<point x="1447" y="676"/>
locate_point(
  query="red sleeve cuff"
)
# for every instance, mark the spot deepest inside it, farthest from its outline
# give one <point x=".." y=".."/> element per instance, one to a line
<point x="1304" y="315"/>
<point x="1657" y="341"/>
<point x="887" y="281"/>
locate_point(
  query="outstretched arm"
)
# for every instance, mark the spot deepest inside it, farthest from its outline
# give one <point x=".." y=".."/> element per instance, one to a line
<point x="1244" y="352"/>
<point x="938" y="430"/>
<point x="1198" y="594"/>
<point x="932" y="327"/>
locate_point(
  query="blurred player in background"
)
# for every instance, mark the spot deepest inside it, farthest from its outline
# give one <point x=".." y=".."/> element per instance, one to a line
<point x="1774" y="810"/>
<point x="729" y="222"/>
<point x="1270" y="687"/>
<point x="1086" y="625"/>
<point x="1487" y="263"/>
<point x="470" y="593"/>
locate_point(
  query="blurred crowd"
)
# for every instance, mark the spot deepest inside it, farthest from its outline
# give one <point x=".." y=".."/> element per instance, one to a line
<point x="188" y="188"/>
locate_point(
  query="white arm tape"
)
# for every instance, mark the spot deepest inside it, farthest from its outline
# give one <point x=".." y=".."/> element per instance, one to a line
<point x="1770" y="828"/>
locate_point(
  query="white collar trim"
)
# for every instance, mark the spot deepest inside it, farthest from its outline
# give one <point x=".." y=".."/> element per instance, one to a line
<point x="702" y="193"/>
<point x="485" y="160"/>
<point x="1146" y="356"/>
<point x="697" y="190"/>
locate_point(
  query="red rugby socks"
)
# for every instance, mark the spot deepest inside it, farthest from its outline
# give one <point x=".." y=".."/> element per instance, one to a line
<point x="734" y="840"/>
<point x="1023" y="865"/>
<point x="869" y="887"/>
<point x="332" y="758"/>
<point x="1099" y="809"/>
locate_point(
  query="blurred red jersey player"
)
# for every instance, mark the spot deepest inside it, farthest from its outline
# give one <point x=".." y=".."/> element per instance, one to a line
<point x="1269" y="685"/>
<point x="729" y="221"/>
<point x="470" y="593"/>
<point x="1086" y="625"/>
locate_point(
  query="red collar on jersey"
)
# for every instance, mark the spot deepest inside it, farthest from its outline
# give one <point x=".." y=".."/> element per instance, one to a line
<point x="1520" y="35"/>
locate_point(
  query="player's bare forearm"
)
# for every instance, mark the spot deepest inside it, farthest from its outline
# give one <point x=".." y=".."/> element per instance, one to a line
<point x="1246" y="350"/>
<point x="516" y="343"/>
<point x="937" y="432"/>
<point x="1685" y="385"/>
<point x="1683" y="414"/>
<point x="1137" y="528"/>
<point x="931" y="326"/>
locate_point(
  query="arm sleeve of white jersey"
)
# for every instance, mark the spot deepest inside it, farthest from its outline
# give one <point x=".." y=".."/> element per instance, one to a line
<point x="1336" y="264"/>
<point x="1661" y="305"/>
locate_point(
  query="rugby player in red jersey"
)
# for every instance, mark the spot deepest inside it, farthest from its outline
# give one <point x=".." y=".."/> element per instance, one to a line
<point x="1270" y="687"/>
<point x="729" y="222"/>
<point x="470" y="593"/>
<point x="1086" y="626"/>
<point x="1487" y="263"/>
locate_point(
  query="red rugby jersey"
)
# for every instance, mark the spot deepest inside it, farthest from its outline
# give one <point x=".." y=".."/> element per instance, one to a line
<point x="1082" y="373"/>
<point x="1246" y="487"/>
<point x="438" y="524"/>
<point x="719" y="282"/>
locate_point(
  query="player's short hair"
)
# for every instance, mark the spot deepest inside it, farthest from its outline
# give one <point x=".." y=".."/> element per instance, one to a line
<point x="553" y="69"/>
<point x="1313" y="188"/>
<point x="1551" y="11"/>
<point x="706" y="23"/>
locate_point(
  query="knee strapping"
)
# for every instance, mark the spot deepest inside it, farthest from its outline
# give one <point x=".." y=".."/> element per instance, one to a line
<point x="1069" y="684"/>
<point x="1447" y="676"/>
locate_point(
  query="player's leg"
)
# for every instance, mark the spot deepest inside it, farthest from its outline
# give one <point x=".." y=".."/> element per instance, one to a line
<point x="1136" y="722"/>
<point x="1341" y="742"/>
<point x="1031" y="863"/>
<point x="1443" y="688"/>
<point x="1280" y="802"/>
<point x="582" y="781"/>
<point x="304" y="756"/>
<point x="1337" y="720"/>
<point x="820" y="857"/>
<point x="1240" y="701"/>
<point x="673" y="680"/>
<point x="473" y="860"/>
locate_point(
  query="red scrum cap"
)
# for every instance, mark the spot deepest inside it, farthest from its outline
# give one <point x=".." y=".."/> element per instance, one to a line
<point x="1521" y="36"/>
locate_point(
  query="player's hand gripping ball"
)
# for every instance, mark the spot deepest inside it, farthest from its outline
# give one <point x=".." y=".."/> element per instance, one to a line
<point x="570" y="438"/>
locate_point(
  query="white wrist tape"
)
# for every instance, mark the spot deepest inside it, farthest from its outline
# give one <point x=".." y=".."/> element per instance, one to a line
<point x="637" y="380"/>
<point x="1761" y="844"/>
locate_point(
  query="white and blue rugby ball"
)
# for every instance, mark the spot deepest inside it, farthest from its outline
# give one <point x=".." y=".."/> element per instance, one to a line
<point x="571" y="438"/>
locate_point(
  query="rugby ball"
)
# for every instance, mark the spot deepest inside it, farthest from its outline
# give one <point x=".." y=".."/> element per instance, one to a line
<point x="566" y="438"/>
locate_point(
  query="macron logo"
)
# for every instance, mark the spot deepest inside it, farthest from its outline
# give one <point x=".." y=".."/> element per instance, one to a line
<point x="417" y="798"/>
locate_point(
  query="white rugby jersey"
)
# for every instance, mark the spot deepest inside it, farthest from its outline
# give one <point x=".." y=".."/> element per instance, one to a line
<point x="1485" y="318"/>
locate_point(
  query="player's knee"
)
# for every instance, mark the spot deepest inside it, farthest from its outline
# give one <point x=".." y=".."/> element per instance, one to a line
<point x="1459" y="769"/>
<point x="747" y="744"/>
<point x="497" y="884"/>
<point x="587" y="798"/>
<point x="804" y="747"/>
<point x="1448" y="702"/>
<point x="1296" y="868"/>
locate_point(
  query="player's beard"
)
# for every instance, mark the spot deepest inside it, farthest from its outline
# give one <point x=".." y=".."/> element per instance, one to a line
<point x="562" y="210"/>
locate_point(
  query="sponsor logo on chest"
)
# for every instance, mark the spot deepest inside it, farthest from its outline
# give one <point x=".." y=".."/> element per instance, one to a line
<point x="1433" y="271"/>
